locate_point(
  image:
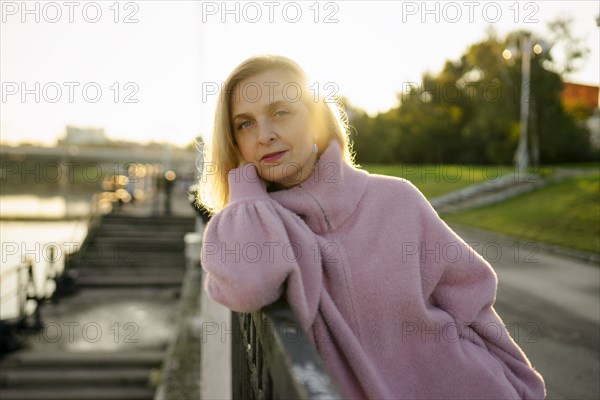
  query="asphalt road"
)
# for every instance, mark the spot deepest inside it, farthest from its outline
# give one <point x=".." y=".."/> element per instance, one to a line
<point x="551" y="306"/>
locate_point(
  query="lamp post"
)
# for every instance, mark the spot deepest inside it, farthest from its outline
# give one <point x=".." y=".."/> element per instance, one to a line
<point x="522" y="152"/>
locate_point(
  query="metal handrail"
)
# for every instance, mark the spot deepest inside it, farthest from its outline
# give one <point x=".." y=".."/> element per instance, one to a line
<point x="96" y="211"/>
<point x="22" y="289"/>
<point x="14" y="270"/>
<point x="93" y="221"/>
<point x="11" y="271"/>
<point x="273" y="359"/>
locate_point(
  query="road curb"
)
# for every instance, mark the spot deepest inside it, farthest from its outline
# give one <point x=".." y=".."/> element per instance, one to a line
<point x="585" y="256"/>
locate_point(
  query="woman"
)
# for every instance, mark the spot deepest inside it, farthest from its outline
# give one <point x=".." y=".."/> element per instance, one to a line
<point x="397" y="305"/>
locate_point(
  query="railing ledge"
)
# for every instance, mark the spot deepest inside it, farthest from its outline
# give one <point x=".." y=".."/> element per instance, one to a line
<point x="277" y="347"/>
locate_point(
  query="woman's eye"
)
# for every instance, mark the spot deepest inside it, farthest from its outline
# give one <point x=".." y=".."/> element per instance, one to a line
<point x="280" y="113"/>
<point x="244" y="124"/>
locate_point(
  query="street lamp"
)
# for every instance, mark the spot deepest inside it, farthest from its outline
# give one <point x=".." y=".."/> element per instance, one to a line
<point x="522" y="153"/>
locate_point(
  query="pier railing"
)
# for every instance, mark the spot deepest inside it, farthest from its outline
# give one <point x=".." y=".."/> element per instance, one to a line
<point x="27" y="288"/>
<point x="273" y="359"/>
<point x="24" y="288"/>
<point x="25" y="291"/>
<point x="92" y="222"/>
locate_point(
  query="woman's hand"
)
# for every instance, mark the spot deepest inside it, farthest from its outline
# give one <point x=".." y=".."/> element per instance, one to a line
<point x="242" y="162"/>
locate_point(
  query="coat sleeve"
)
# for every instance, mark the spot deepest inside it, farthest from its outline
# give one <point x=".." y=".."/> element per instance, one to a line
<point x="254" y="250"/>
<point x="459" y="281"/>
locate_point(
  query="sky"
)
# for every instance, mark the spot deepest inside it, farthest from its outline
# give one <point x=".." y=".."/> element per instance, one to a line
<point x="148" y="70"/>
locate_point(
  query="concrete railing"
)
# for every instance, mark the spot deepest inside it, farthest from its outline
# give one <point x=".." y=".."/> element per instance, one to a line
<point x="181" y="370"/>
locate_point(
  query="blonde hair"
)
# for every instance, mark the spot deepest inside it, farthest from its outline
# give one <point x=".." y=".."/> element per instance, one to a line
<point x="222" y="155"/>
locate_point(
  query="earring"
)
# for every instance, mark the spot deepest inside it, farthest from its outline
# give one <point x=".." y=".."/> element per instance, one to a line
<point x="315" y="148"/>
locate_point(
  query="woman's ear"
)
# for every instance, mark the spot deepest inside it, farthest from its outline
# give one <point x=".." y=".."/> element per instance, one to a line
<point x="322" y="132"/>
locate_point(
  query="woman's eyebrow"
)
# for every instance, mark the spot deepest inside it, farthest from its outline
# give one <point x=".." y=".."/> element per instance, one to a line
<point x="236" y="116"/>
<point x="276" y="104"/>
<point x="268" y="107"/>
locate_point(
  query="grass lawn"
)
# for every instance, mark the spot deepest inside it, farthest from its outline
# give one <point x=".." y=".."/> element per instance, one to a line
<point x="436" y="180"/>
<point x="565" y="213"/>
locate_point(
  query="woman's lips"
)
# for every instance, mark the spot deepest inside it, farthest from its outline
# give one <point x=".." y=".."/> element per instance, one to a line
<point x="272" y="157"/>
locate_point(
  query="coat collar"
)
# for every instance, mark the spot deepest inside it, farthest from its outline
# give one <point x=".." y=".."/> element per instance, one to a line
<point x="329" y="195"/>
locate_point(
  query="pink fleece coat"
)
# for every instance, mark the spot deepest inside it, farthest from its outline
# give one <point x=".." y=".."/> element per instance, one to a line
<point x="398" y="306"/>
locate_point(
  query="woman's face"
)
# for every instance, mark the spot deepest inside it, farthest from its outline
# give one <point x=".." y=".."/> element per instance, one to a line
<point x="273" y="127"/>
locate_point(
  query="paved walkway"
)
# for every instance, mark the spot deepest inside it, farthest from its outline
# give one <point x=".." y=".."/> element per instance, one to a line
<point x="551" y="306"/>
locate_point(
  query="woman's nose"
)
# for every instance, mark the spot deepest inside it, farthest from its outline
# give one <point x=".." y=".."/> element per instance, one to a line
<point x="266" y="133"/>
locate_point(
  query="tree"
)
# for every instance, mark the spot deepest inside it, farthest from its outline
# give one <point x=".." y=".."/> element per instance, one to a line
<point x="469" y="112"/>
